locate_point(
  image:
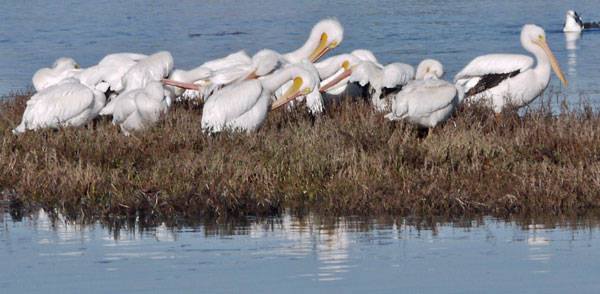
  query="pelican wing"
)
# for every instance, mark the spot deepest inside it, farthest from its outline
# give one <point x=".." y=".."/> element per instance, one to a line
<point x="423" y="97"/>
<point x="153" y="68"/>
<point x="494" y="64"/>
<point x="365" y="73"/>
<point x="58" y="104"/>
<point x="237" y="58"/>
<point x="230" y="103"/>
<point x="397" y="74"/>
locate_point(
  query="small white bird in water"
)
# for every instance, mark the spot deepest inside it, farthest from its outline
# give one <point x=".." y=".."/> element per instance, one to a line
<point x="573" y="22"/>
<point x="68" y="103"/>
<point x="426" y="101"/>
<point x="510" y="78"/>
<point x="63" y="68"/>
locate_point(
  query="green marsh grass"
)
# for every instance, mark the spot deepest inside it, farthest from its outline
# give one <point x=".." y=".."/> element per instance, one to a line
<point x="350" y="161"/>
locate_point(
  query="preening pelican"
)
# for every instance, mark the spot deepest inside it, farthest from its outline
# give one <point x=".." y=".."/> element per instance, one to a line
<point x="61" y="69"/>
<point x="335" y="75"/>
<point x="140" y="107"/>
<point x="111" y="69"/>
<point x="314" y="100"/>
<point x="67" y="103"/>
<point x="500" y="78"/>
<point x="427" y="101"/>
<point x="325" y="35"/>
<point x="573" y="22"/>
<point x="152" y="68"/>
<point x="382" y="81"/>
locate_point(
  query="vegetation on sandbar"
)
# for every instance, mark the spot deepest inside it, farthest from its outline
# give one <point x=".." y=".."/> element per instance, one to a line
<point x="351" y="160"/>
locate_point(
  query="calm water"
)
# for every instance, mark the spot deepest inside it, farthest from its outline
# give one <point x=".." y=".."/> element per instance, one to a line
<point x="35" y="33"/>
<point x="302" y="255"/>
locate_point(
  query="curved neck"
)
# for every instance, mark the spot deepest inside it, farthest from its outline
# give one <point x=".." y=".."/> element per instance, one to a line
<point x="542" y="69"/>
<point x="303" y="52"/>
<point x="276" y="80"/>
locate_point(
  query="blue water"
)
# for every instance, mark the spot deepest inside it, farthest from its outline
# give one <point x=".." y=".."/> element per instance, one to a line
<point x="35" y="33"/>
<point x="301" y="255"/>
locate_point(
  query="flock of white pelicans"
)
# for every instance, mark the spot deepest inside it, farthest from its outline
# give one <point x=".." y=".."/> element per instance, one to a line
<point x="238" y="91"/>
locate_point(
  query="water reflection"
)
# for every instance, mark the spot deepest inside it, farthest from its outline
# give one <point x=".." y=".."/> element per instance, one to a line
<point x="571" y="43"/>
<point x="301" y="253"/>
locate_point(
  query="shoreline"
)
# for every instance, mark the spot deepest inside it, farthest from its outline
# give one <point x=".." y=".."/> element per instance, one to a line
<point x="350" y="161"/>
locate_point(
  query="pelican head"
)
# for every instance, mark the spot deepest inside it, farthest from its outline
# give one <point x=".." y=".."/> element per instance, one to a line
<point x="573" y="22"/>
<point x="304" y="82"/>
<point x="65" y="63"/>
<point x="431" y="67"/>
<point x="533" y="38"/>
<point x="330" y="34"/>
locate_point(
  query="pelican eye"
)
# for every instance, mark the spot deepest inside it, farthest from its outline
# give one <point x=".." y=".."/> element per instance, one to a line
<point x="333" y="44"/>
<point x="541" y="38"/>
<point x="345" y="65"/>
<point x="76" y="66"/>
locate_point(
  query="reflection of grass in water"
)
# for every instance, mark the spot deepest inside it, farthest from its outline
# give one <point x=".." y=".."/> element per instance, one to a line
<point x="349" y="161"/>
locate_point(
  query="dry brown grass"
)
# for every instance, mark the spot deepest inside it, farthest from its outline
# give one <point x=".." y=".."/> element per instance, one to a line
<point x="349" y="161"/>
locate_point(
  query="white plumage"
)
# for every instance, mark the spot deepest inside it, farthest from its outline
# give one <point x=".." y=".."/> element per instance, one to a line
<point x="573" y="22"/>
<point x="140" y="108"/>
<point x="61" y="69"/>
<point x="244" y="106"/>
<point x="504" y="78"/>
<point x="67" y="103"/>
<point x="425" y="103"/>
<point x="152" y="68"/>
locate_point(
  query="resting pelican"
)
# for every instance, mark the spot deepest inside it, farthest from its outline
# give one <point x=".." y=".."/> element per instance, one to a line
<point x="67" y="103"/>
<point x="426" y="101"/>
<point x="140" y="107"/>
<point x="500" y="78"/>
<point x="63" y="68"/>
<point x="314" y="100"/>
<point x="152" y="68"/>
<point x="573" y="22"/>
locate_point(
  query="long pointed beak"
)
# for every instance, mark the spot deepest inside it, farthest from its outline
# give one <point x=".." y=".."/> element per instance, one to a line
<point x="182" y="85"/>
<point x="292" y="93"/>
<point x="554" y="63"/>
<point x="320" y="54"/>
<point x="342" y="76"/>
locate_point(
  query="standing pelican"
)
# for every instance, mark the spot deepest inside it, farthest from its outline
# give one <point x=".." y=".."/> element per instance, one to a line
<point x="503" y="78"/>
<point x="426" y="101"/>
<point x="62" y="68"/>
<point x="573" y="22"/>
<point x="67" y="103"/>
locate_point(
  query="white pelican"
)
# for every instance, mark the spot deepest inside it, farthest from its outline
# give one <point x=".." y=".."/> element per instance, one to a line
<point x="152" y="68"/>
<point x="429" y="66"/>
<point x="500" y="78"/>
<point x="244" y="106"/>
<point x="140" y="107"/>
<point x="382" y="81"/>
<point x="324" y="36"/>
<point x="61" y="69"/>
<point x="335" y="78"/>
<point x="67" y="103"/>
<point x="573" y="22"/>
<point x="314" y="100"/>
<point x="426" y="101"/>
<point x="111" y="70"/>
